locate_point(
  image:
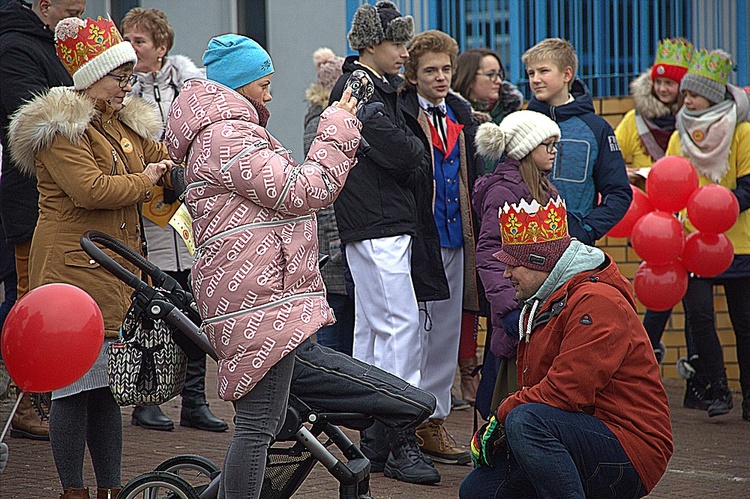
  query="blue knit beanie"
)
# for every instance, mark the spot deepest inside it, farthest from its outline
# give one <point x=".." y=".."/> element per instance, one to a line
<point x="235" y="60"/>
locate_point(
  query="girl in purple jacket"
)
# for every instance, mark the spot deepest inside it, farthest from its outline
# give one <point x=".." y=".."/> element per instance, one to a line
<point x="523" y="146"/>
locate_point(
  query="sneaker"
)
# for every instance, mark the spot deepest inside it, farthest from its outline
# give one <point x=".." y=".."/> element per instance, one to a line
<point x="407" y="463"/>
<point x="698" y="395"/>
<point x="436" y="442"/>
<point x="458" y="404"/>
<point x="722" y="402"/>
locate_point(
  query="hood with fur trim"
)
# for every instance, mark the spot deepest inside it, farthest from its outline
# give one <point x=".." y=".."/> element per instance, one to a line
<point x="63" y="110"/>
<point x="646" y="103"/>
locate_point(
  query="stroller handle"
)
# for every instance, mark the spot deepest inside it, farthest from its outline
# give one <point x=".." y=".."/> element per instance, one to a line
<point x="168" y="310"/>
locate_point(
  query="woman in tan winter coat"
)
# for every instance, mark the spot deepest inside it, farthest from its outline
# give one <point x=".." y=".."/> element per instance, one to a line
<point x="93" y="153"/>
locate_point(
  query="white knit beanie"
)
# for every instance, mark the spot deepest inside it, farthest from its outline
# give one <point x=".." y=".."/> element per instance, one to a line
<point x="518" y="134"/>
<point x="90" y="49"/>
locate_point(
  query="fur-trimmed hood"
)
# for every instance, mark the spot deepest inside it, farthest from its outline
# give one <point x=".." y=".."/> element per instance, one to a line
<point x="646" y="103"/>
<point x="63" y="110"/>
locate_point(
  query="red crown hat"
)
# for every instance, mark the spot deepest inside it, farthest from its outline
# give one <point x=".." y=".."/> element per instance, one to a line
<point x="534" y="236"/>
<point x="90" y="49"/>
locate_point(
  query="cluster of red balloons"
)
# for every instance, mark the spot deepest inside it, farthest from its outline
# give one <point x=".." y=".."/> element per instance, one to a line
<point x="51" y="337"/>
<point x="657" y="236"/>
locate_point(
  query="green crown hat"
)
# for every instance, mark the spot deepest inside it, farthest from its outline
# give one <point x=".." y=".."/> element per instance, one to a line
<point x="714" y="65"/>
<point x="674" y="52"/>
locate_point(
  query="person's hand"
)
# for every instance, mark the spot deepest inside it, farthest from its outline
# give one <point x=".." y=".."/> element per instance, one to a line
<point x="154" y="171"/>
<point x="3" y="456"/>
<point x="486" y="442"/>
<point x="347" y="102"/>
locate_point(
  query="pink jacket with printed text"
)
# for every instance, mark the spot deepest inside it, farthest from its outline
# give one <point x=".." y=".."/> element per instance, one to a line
<point x="255" y="274"/>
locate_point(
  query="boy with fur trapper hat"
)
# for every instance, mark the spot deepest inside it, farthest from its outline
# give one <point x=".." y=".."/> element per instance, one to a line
<point x="376" y="216"/>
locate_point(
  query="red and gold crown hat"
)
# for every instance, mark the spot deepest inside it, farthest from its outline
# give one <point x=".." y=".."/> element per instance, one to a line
<point x="90" y="49"/>
<point x="534" y="236"/>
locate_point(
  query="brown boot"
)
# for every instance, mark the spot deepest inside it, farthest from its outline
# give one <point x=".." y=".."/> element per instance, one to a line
<point x="31" y="420"/>
<point x="107" y="493"/>
<point x="71" y="493"/>
<point x="435" y="441"/>
<point x="469" y="383"/>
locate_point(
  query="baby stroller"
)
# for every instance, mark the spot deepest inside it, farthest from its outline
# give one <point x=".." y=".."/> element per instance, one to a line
<point x="287" y="466"/>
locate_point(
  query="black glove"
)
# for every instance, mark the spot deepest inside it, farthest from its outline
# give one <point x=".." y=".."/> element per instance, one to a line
<point x="510" y="323"/>
<point x="176" y="175"/>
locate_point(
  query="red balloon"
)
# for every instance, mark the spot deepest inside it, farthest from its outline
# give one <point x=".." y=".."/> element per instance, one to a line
<point x="670" y="183"/>
<point x="658" y="238"/>
<point x="639" y="206"/>
<point x="51" y="337"/>
<point x="713" y="208"/>
<point x="660" y="287"/>
<point x="706" y="254"/>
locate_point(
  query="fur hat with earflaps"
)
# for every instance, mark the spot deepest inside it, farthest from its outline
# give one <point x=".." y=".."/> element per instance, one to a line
<point x="90" y="49"/>
<point x="374" y="24"/>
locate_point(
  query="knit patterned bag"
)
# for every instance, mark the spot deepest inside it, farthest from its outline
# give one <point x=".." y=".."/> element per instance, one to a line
<point x="146" y="366"/>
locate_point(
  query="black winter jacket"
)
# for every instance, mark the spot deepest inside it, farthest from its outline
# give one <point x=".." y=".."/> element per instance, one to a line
<point x="377" y="200"/>
<point x="428" y="273"/>
<point x="28" y="66"/>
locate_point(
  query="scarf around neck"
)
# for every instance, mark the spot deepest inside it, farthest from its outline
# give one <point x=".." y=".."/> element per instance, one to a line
<point x="706" y="137"/>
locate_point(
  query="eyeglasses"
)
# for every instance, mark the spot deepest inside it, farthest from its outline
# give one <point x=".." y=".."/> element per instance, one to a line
<point x="494" y="75"/>
<point x="551" y="146"/>
<point x="124" y="80"/>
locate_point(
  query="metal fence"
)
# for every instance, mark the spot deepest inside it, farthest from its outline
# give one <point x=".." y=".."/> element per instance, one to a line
<point x="615" y="39"/>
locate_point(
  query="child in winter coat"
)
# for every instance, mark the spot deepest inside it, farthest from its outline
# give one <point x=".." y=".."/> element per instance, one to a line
<point x="713" y="133"/>
<point x="530" y="141"/>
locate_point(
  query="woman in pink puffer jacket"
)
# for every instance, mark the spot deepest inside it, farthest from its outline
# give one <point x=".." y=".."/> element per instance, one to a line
<point x="255" y="275"/>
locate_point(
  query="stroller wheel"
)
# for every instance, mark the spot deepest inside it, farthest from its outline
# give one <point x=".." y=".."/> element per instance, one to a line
<point x="158" y="484"/>
<point x="195" y="470"/>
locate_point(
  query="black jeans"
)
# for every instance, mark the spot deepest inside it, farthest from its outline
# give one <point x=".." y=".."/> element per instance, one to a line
<point x="655" y="322"/>
<point x="700" y="303"/>
<point x="330" y="381"/>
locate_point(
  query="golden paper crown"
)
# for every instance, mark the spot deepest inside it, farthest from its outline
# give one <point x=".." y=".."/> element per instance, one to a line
<point x="525" y="223"/>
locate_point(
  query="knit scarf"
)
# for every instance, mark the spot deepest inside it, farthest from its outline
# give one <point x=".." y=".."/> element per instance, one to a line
<point x="706" y="137"/>
<point x="263" y="112"/>
<point x="655" y="134"/>
<point x="484" y="106"/>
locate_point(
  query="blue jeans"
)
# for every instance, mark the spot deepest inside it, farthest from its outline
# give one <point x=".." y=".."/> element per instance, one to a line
<point x="555" y="453"/>
<point x="339" y="336"/>
<point x="259" y="416"/>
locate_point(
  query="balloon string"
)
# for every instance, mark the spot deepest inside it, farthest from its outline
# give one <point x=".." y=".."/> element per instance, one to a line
<point x="12" y="413"/>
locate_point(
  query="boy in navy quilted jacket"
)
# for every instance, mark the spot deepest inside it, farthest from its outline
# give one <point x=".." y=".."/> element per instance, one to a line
<point x="589" y="170"/>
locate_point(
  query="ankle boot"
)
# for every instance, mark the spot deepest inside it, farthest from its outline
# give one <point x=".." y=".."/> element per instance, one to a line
<point x="469" y="379"/>
<point x="31" y="419"/>
<point x="201" y="418"/>
<point x="698" y="395"/>
<point x="746" y="405"/>
<point x="722" y="402"/>
<point x="71" y="493"/>
<point x="107" y="493"/>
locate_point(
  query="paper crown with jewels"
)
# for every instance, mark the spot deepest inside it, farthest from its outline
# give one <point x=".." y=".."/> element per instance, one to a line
<point x="90" y="49"/>
<point x="708" y="74"/>
<point x="672" y="59"/>
<point x="534" y="236"/>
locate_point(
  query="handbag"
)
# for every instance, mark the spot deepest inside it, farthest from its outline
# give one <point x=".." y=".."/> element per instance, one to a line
<point x="145" y="365"/>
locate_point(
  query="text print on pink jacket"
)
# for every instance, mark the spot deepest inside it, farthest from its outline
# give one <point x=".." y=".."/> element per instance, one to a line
<point x="255" y="274"/>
